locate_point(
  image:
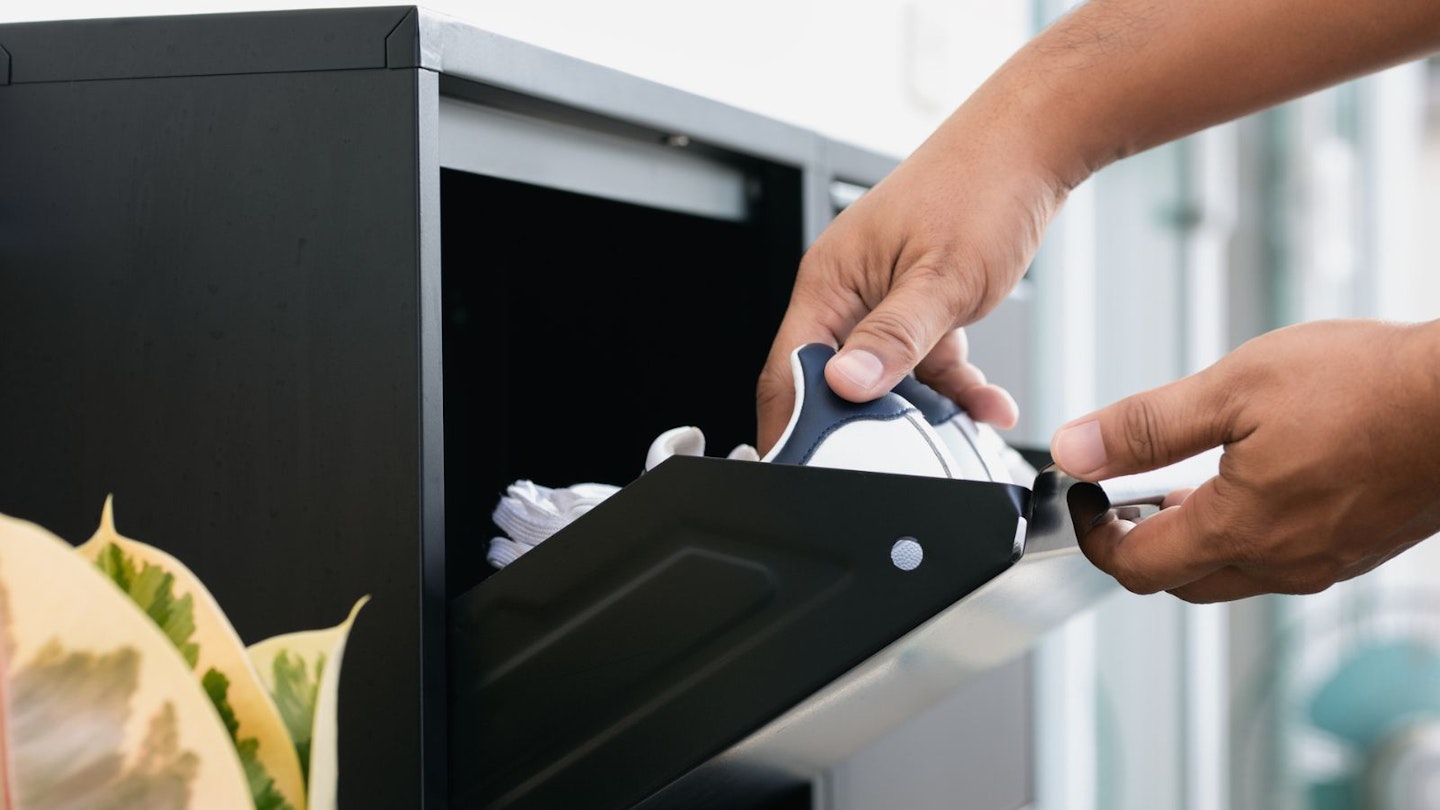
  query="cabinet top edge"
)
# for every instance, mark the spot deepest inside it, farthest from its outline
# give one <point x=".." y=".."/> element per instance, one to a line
<point x="401" y="38"/>
<point x="167" y="46"/>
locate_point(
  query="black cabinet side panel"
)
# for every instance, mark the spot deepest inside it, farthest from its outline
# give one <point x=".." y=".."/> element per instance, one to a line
<point x="208" y="307"/>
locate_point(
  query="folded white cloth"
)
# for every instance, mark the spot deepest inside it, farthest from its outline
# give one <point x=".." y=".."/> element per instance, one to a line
<point x="504" y="551"/>
<point x="529" y="514"/>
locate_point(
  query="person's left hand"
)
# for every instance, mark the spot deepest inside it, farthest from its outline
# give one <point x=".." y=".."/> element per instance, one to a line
<point x="1331" y="466"/>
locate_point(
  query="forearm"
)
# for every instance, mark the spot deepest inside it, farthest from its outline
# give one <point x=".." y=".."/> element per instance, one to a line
<point x="1116" y="77"/>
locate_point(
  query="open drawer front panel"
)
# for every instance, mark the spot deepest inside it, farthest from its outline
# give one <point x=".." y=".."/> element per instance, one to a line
<point x="691" y="609"/>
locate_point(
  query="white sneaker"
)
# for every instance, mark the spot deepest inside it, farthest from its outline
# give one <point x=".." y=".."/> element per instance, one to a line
<point x="891" y="434"/>
<point x="980" y="451"/>
<point x="913" y="430"/>
<point x="910" y="431"/>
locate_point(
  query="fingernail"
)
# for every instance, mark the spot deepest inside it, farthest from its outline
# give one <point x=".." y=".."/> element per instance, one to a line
<point x="859" y="367"/>
<point x="1079" y="449"/>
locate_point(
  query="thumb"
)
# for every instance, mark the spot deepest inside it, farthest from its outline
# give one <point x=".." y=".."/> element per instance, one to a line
<point x="1148" y="430"/>
<point x="891" y="340"/>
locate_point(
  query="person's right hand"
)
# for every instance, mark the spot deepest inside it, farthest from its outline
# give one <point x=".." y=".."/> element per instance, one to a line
<point x="1331" y="466"/>
<point x="941" y="240"/>
<point x="934" y="246"/>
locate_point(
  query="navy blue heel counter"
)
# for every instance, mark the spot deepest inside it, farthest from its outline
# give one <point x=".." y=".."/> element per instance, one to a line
<point x="822" y="411"/>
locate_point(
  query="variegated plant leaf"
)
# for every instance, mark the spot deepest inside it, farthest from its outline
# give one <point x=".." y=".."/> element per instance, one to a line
<point x="98" y="709"/>
<point x="179" y="603"/>
<point x="302" y="672"/>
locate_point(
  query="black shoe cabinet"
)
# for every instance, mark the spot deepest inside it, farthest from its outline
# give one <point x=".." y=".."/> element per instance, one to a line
<point x="304" y="290"/>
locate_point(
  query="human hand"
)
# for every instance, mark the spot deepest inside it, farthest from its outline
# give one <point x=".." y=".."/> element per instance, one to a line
<point x="945" y="236"/>
<point x="934" y="246"/>
<point x="1331" y="465"/>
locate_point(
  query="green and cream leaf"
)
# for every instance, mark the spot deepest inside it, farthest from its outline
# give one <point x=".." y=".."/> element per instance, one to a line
<point x="185" y="611"/>
<point x="302" y="672"/>
<point x="98" y="709"/>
